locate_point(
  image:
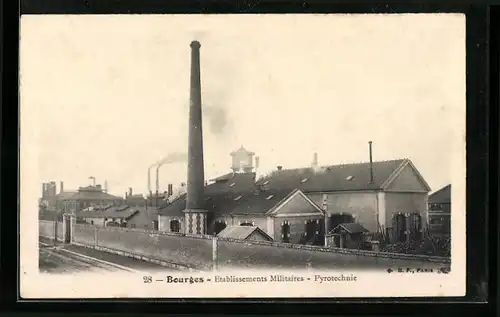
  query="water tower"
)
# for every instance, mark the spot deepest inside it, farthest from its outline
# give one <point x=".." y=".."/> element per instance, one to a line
<point x="242" y="161"/>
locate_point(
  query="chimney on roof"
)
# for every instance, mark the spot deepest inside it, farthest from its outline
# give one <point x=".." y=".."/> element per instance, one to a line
<point x="105" y="186"/>
<point x="196" y="214"/>
<point x="371" y="161"/>
<point x="130" y="191"/>
<point x="170" y="190"/>
<point x="315" y="160"/>
<point x="61" y="189"/>
<point x="280" y="167"/>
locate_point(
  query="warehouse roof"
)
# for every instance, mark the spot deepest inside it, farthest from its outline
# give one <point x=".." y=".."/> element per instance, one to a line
<point x="442" y="196"/>
<point x="113" y="212"/>
<point x="335" y="177"/>
<point x="241" y="232"/>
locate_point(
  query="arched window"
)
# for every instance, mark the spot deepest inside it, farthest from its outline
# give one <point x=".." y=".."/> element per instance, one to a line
<point x="219" y="226"/>
<point x="175" y="226"/>
<point x="285" y="232"/>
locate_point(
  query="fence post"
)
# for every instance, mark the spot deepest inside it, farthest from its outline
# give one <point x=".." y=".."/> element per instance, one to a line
<point x="214" y="253"/>
<point x="55" y="232"/>
<point x="95" y="237"/>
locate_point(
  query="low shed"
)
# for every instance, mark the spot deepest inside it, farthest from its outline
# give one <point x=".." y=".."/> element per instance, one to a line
<point x="347" y="235"/>
<point x="244" y="233"/>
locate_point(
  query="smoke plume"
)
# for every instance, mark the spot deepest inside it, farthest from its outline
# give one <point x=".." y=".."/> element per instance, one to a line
<point x="173" y="158"/>
<point x="217" y="119"/>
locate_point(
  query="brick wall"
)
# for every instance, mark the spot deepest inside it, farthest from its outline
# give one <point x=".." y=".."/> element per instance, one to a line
<point x="46" y="228"/>
<point x="196" y="251"/>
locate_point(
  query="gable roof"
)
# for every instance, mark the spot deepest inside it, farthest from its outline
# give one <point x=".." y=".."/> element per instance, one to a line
<point x="241" y="232"/>
<point x="442" y="196"/>
<point x="151" y="212"/>
<point x="350" y="228"/>
<point x="65" y="194"/>
<point x="232" y="183"/>
<point x="89" y="195"/>
<point x="123" y="212"/>
<point x="346" y="177"/>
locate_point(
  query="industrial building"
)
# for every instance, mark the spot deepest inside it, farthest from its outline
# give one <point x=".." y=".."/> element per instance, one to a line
<point x="440" y="211"/>
<point x="388" y="199"/>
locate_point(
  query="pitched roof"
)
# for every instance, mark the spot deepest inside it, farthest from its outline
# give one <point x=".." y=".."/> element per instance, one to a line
<point x="442" y="196"/>
<point x="249" y="203"/>
<point x="241" y="232"/>
<point x="333" y="178"/>
<point x="349" y="227"/>
<point x="152" y="212"/>
<point x="232" y="183"/>
<point x="65" y="195"/>
<point x="123" y="212"/>
<point x="91" y="195"/>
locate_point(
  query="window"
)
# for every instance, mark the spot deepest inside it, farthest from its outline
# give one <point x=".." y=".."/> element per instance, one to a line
<point x="285" y="232"/>
<point x="132" y="225"/>
<point x="270" y="197"/>
<point x="304" y="180"/>
<point x="349" y="178"/>
<point x="238" y="198"/>
<point x="232" y="184"/>
<point x="266" y="182"/>
<point x="175" y="226"/>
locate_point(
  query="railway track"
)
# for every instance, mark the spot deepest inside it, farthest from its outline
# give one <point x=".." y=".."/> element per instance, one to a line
<point x="72" y="261"/>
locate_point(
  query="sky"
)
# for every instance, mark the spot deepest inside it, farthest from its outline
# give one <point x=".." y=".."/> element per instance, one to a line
<point x="107" y="96"/>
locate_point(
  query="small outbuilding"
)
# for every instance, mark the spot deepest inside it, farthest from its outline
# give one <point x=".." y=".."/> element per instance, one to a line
<point x="347" y="235"/>
<point x="244" y="233"/>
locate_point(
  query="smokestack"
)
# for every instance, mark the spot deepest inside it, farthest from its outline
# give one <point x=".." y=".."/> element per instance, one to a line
<point x="61" y="189"/>
<point x="170" y="190"/>
<point x="130" y="192"/>
<point x="157" y="179"/>
<point x="315" y="160"/>
<point x="195" y="203"/>
<point x="149" y="179"/>
<point x="371" y="162"/>
<point x="257" y="162"/>
<point x="105" y="186"/>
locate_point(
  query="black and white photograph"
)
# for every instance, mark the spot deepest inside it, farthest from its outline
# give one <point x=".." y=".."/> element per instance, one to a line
<point x="242" y="156"/>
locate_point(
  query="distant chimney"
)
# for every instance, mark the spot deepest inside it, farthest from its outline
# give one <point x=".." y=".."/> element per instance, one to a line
<point x="105" y="186"/>
<point x="315" y="160"/>
<point x="371" y="162"/>
<point x="170" y="190"/>
<point x="257" y="161"/>
<point x="61" y="189"/>
<point x="130" y="191"/>
<point x="280" y="167"/>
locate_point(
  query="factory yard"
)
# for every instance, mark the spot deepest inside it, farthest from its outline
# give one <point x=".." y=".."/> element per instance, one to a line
<point x="63" y="259"/>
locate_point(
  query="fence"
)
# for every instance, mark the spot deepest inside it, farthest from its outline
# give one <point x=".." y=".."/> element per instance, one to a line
<point x="198" y="251"/>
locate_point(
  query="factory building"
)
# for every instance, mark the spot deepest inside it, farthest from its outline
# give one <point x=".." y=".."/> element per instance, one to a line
<point x="388" y="198"/>
<point x="88" y="196"/>
<point x="440" y="211"/>
<point x="385" y="199"/>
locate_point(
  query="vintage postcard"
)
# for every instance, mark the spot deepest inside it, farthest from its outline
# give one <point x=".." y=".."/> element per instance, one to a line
<point x="242" y="156"/>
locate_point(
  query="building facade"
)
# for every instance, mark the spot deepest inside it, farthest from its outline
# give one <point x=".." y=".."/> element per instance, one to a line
<point x="440" y="211"/>
<point x="389" y="199"/>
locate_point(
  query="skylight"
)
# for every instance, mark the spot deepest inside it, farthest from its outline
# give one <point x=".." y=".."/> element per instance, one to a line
<point x="238" y="198"/>
<point x="232" y="184"/>
<point x="270" y="197"/>
<point x="304" y="180"/>
<point x="266" y="182"/>
<point x="349" y="178"/>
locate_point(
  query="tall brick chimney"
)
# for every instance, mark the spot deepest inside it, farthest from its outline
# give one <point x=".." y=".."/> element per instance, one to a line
<point x="195" y="214"/>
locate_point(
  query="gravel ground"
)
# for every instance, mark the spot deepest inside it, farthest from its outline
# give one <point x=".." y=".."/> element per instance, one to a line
<point x="46" y="261"/>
